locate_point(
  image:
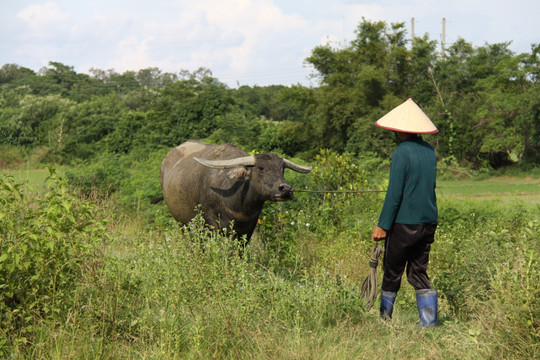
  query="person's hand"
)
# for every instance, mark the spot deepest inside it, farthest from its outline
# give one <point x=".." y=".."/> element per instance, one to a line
<point x="378" y="234"/>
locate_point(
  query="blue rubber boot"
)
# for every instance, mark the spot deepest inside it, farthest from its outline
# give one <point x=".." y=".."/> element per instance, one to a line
<point x="427" y="306"/>
<point x="387" y="304"/>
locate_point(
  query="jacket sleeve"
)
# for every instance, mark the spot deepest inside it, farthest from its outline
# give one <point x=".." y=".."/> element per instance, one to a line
<point x="394" y="193"/>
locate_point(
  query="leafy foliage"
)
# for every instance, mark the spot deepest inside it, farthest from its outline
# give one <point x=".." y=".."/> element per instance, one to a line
<point x="484" y="100"/>
<point x="46" y="245"/>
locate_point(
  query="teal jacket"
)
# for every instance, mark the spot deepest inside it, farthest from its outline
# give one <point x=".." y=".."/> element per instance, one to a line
<point x="410" y="198"/>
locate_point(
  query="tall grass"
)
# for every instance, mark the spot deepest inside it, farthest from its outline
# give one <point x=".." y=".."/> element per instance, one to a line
<point x="148" y="288"/>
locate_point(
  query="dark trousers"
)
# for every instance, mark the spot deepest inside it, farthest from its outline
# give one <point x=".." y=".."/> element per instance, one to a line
<point x="407" y="245"/>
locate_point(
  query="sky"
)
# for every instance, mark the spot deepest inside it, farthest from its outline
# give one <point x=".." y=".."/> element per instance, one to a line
<point x="243" y="42"/>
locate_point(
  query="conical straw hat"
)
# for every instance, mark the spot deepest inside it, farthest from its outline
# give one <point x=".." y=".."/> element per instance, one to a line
<point x="407" y="118"/>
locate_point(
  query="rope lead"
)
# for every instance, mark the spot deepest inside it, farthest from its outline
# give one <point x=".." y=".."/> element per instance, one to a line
<point x="340" y="191"/>
<point x="369" y="286"/>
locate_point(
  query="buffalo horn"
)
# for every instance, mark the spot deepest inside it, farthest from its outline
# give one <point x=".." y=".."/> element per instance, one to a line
<point x="227" y="164"/>
<point x="302" y="169"/>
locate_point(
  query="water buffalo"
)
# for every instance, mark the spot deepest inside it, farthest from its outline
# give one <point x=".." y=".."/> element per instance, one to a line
<point x="229" y="185"/>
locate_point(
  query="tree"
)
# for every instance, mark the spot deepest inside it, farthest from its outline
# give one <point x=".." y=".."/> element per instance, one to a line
<point x="36" y="120"/>
<point x="356" y="79"/>
<point x="421" y="85"/>
<point x="483" y="90"/>
<point x="15" y="74"/>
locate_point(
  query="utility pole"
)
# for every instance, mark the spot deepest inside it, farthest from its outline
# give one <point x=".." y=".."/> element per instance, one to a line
<point x="443" y="42"/>
<point x="412" y="31"/>
<point x="344" y="40"/>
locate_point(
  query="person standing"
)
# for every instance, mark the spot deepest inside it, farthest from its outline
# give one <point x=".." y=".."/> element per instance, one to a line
<point x="409" y="215"/>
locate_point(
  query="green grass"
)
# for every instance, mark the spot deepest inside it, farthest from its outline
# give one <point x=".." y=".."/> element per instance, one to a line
<point x="524" y="189"/>
<point x="495" y="185"/>
<point x="157" y="291"/>
<point x="31" y="176"/>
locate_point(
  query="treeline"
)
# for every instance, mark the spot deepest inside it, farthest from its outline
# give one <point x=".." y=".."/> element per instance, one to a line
<point x="484" y="100"/>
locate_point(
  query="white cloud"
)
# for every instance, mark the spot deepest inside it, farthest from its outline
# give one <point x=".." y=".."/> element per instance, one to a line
<point x="254" y="41"/>
<point x="243" y="29"/>
<point x="132" y="54"/>
<point x="234" y="36"/>
<point x="42" y="20"/>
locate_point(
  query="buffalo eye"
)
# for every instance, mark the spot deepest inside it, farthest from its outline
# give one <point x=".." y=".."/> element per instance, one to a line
<point x="261" y="168"/>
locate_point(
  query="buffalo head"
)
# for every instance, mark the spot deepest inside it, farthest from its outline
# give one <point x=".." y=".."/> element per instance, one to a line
<point x="263" y="171"/>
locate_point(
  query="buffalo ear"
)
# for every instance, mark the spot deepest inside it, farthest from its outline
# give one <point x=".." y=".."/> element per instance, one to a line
<point x="240" y="172"/>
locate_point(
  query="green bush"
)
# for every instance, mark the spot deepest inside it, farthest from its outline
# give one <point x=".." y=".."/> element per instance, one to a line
<point x="144" y="180"/>
<point x="13" y="155"/>
<point x="101" y="177"/>
<point x="291" y="231"/>
<point x="46" y="242"/>
<point x="485" y="265"/>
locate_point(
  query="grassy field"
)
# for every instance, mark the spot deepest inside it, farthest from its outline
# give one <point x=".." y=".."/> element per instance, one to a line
<point x="30" y="176"/>
<point x="512" y="189"/>
<point x="496" y="185"/>
<point x="142" y="287"/>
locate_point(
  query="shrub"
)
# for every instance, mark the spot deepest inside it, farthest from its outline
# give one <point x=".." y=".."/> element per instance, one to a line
<point x="45" y="242"/>
<point x="99" y="178"/>
<point x="144" y="180"/>
<point x="289" y="231"/>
